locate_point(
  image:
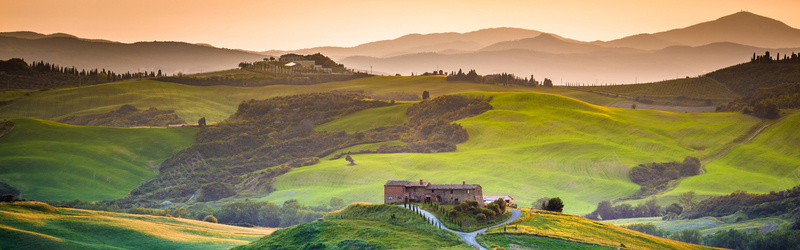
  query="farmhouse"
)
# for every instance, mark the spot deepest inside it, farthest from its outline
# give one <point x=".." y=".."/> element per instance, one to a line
<point x="396" y="191"/>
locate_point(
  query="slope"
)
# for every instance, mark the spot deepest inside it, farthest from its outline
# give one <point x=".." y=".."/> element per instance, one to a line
<point x="769" y="162"/>
<point x="218" y="102"/>
<point x="54" y="161"/>
<point x="571" y="228"/>
<point x="742" y="28"/>
<point x="35" y="225"/>
<point x="531" y="145"/>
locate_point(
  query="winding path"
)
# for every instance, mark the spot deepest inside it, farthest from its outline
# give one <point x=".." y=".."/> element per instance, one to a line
<point x="469" y="238"/>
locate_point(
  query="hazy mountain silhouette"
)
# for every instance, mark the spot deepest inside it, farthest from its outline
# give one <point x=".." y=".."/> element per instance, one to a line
<point x="640" y="41"/>
<point x="545" y="43"/>
<point x="742" y="28"/>
<point x="170" y="57"/>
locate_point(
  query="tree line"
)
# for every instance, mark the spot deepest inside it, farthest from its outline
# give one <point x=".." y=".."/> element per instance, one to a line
<point x="767" y="102"/>
<point x="42" y="75"/>
<point x="505" y="79"/>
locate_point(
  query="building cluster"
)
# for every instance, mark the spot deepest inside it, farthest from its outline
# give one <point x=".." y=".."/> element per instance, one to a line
<point x="399" y="191"/>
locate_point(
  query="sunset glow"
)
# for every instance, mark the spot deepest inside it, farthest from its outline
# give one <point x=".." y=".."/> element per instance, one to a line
<point x="266" y="25"/>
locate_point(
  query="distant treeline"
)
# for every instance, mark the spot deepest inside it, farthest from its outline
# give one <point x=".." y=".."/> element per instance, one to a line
<point x="766" y="58"/>
<point x="15" y="73"/>
<point x="262" y="79"/>
<point x="504" y="79"/>
<point x="765" y="102"/>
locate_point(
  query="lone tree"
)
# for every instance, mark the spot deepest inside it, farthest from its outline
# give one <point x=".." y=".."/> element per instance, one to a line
<point x="201" y="122"/>
<point x="426" y="95"/>
<point x="687" y="200"/>
<point x="210" y="218"/>
<point x="555" y="205"/>
<point x="350" y="159"/>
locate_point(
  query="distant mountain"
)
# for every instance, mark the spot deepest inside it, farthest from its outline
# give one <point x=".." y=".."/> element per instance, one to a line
<point x="742" y="28"/>
<point x="605" y="66"/>
<point x="418" y="43"/>
<point x="170" y="57"/>
<point x="640" y="41"/>
<point x="545" y="43"/>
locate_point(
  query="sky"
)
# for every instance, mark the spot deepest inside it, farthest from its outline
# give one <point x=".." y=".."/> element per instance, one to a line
<point x="261" y="25"/>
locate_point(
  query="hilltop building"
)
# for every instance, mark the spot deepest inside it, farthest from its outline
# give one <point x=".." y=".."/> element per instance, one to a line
<point x="291" y="58"/>
<point x="398" y="191"/>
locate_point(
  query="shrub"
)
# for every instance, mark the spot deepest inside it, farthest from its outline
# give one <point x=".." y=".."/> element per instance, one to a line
<point x="555" y="205"/>
<point x="210" y="218"/>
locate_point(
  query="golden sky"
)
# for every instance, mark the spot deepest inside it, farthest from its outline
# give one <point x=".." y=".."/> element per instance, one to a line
<point x="293" y="24"/>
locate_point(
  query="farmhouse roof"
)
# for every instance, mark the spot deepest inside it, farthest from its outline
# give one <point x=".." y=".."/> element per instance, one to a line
<point x="407" y="183"/>
<point x="454" y="186"/>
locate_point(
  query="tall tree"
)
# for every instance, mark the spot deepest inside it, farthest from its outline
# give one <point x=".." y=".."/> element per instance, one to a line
<point x="426" y="95"/>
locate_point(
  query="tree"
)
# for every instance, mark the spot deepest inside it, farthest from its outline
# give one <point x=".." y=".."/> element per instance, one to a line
<point x="350" y="159"/>
<point x="336" y="203"/>
<point x="426" y="95"/>
<point x="687" y="200"/>
<point x="210" y="218"/>
<point x="555" y="205"/>
<point x="547" y="83"/>
<point x="540" y="204"/>
<point x="675" y="209"/>
<point x="201" y="122"/>
<point x="633" y="106"/>
<point x="653" y="209"/>
<point x="688" y="235"/>
<point x="606" y="210"/>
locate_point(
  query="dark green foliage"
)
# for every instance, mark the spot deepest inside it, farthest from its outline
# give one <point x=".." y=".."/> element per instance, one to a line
<point x="753" y="205"/>
<point x="766" y="109"/>
<point x="215" y="191"/>
<point x="555" y="205"/>
<point x="358" y="244"/>
<point x="426" y="95"/>
<point x="731" y="239"/>
<point x="783" y="96"/>
<point x="45" y="75"/>
<point x="201" y="122"/>
<point x="8" y="189"/>
<point x="746" y="78"/>
<point x="210" y="218"/>
<point x="648" y="229"/>
<point x="350" y="159"/>
<point x="656" y="177"/>
<point x="674" y="208"/>
<point x="607" y="211"/>
<point x="734" y="239"/>
<point x="688" y="235"/>
<point x="127" y="116"/>
<point x="504" y="79"/>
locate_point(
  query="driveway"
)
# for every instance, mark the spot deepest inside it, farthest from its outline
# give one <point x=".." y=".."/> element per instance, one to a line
<point x="469" y="238"/>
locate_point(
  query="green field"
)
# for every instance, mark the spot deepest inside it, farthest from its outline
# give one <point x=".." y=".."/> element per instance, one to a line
<point x="769" y="162"/>
<point x="700" y="88"/>
<point x="708" y="225"/>
<point x="529" y="146"/>
<point x="363" y="226"/>
<point x="32" y="225"/>
<point x="218" y="102"/>
<point x="581" y="230"/>
<point x="368" y="119"/>
<point x="53" y="161"/>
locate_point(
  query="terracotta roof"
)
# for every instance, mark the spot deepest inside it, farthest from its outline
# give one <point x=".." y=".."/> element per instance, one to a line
<point x="395" y="183"/>
<point x="406" y="183"/>
<point x="454" y="186"/>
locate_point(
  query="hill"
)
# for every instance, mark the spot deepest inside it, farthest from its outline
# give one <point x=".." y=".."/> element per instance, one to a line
<point x="35" y="225"/>
<point x="744" y="79"/>
<point x="171" y="57"/>
<point x="216" y="103"/>
<point x="127" y="116"/>
<point x="696" y="90"/>
<point x="545" y="43"/>
<point x="363" y="226"/>
<point x="54" y="161"/>
<point x="742" y="27"/>
<point x="529" y="146"/>
<point x="541" y="226"/>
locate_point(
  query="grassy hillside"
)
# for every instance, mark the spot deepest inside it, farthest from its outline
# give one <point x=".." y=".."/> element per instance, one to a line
<point x="699" y="88"/>
<point x="531" y="145"/>
<point x="767" y="163"/>
<point x="53" y="161"/>
<point x="709" y="225"/>
<point x="577" y="229"/>
<point x="367" y="119"/>
<point x="32" y="225"/>
<point x="218" y="102"/>
<point x="363" y="226"/>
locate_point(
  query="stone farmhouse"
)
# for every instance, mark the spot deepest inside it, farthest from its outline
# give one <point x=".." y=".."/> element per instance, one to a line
<point x="396" y="191"/>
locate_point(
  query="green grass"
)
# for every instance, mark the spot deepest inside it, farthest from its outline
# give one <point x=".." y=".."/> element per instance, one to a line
<point x="529" y="146"/>
<point x="369" y="225"/>
<point x="368" y="119"/>
<point x="218" y="102"/>
<point x="511" y="241"/>
<point x="581" y="230"/>
<point x="708" y="225"/>
<point x="700" y="88"/>
<point x="22" y="227"/>
<point x="468" y="222"/>
<point x="53" y="161"/>
<point x="767" y="163"/>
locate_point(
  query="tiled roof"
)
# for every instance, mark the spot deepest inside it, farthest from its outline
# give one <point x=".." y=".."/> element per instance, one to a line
<point x="406" y="183"/>
<point x="453" y="186"/>
<point x="395" y="183"/>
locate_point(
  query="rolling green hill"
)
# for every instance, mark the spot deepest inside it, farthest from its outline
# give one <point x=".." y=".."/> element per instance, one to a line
<point x="218" y="102"/>
<point x="529" y="146"/>
<point x="769" y="162"/>
<point x="699" y="88"/>
<point x="53" y="161"/>
<point x="543" y="225"/>
<point x="363" y="226"/>
<point x="35" y="225"/>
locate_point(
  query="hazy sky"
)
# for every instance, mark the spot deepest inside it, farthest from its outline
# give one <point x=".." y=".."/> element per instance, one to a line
<point x="294" y="24"/>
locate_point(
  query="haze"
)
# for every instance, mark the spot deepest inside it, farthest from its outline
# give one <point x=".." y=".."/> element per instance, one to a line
<point x="266" y="25"/>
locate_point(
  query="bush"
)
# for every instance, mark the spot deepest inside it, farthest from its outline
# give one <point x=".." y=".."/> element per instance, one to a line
<point x="210" y="218"/>
<point x="215" y="191"/>
<point x="688" y="235"/>
<point x="555" y="205"/>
